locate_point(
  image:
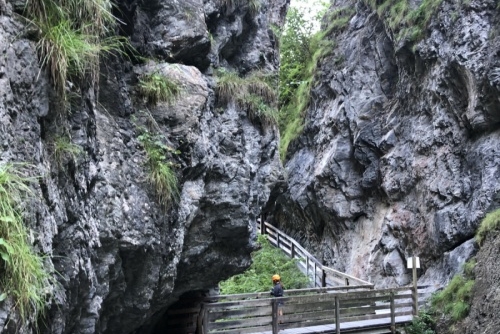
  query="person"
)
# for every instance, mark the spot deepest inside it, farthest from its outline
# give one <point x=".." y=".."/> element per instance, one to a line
<point x="277" y="291"/>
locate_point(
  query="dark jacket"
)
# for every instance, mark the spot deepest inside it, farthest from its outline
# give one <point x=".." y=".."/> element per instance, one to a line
<point x="277" y="290"/>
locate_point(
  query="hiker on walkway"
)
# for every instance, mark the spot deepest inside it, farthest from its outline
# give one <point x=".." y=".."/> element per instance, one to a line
<point x="277" y="291"/>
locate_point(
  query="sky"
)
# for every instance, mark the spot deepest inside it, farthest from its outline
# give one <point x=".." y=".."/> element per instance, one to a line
<point x="313" y="5"/>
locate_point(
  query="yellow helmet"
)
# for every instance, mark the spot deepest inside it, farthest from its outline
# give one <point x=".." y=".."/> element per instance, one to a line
<point x="276" y="277"/>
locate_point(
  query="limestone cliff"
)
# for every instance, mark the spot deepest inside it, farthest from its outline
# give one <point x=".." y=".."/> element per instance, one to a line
<point x="399" y="154"/>
<point x="119" y="257"/>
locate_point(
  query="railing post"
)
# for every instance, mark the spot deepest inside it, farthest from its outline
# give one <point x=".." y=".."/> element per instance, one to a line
<point x="278" y="239"/>
<point x="393" y="314"/>
<point x="415" y="292"/>
<point x="262" y="225"/>
<point x="274" y="305"/>
<point x="307" y="266"/>
<point x="314" y="277"/>
<point x="337" y="315"/>
<point x="323" y="278"/>
<point x="204" y="320"/>
<point x="293" y="249"/>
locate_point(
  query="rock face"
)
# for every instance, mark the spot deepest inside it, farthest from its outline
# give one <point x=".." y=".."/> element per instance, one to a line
<point x="486" y="292"/>
<point x="121" y="257"/>
<point x="399" y="155"/>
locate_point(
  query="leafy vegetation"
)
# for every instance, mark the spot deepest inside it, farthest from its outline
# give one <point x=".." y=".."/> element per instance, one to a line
<point x="455" y="299"/>
<point x="161" y="173"/>
<point x="490" y="222"/>
<point x="23" y="275"/>
<point x="155" y="87"/>
<point x="252" y="93"/>
<point x="72" y="36"/>
<point x="424" y="323"/>
<point x="267" y="261"/>
<point x="301" y="51"/>
<point x="406" y="23"/>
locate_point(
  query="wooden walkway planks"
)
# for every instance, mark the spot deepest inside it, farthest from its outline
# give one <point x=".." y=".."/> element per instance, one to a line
<point x="364" y="325"/>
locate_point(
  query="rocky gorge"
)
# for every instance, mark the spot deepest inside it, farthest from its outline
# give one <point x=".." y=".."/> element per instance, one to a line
<point x="118" y="255"/>
<point x="398" y="156"/>
<point x="399" y="152"/>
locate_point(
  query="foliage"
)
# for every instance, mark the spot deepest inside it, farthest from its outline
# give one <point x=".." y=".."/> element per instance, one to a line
<point x="161" y="173"/>
<point x="72" y="36"/>
<point x="421" y="324"/>
<point x="301" y="51"/>
<point x="406" y="23"/>
<point x="155" y="87"/>
<point x="64" y="148"/>
<point x="23" y="275"/>
<point x="266" y="262"/>
<point x="490" y="223"/>
<point x="254" y="93"/>
<point x="455" y="299"/>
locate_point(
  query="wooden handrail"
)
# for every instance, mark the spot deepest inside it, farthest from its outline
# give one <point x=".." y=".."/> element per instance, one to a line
<point x="384" y="307"/>
<point x="292" y="248"/>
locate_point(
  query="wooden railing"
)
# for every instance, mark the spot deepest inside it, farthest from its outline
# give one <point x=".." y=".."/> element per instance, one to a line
<point x="338" y="308"/>
<point x="319" y="274"/>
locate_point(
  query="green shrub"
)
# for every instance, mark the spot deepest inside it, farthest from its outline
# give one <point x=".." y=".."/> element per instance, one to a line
<point x="489" y="223"/>
<point x="266" y="262"/>
<point x="421" y="324"/>
<point x="23" y="275"/>
<point x="161" y="173"/>
<point x="155" y="87"/>
<point x="254" y="93"/>
<point x="455" y="299"/>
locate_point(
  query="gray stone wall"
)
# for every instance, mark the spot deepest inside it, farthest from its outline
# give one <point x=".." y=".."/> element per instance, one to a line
<point x="399" y="155"/>
<point x="119" y="258"/>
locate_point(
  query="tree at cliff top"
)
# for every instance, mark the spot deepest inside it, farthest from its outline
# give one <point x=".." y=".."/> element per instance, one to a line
<point x="302" y="49"/>
<point x="295" y="54"/>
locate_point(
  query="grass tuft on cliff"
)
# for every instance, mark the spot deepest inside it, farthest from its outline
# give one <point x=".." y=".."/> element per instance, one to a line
<point x="455" y="299"/>
<point x="155" y="87"/>
<point x="489" y="223"/>
<point x="253" y="93"/>
<point x="64" y="149"/>
<point x="23" y="277"/>
<point x="406" y="22"/>
<point x="161" y="172"/>
<point x="253" y="5"/>
<point x="266" y="262"/>
<point x="72" y="36"/>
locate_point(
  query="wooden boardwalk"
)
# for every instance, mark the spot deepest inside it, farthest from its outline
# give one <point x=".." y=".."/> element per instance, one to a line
<point x="360" y="311"/>
<point x="319" y="274"/>
<point x="377" y="326"/>
<point x="337" y="303"/>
